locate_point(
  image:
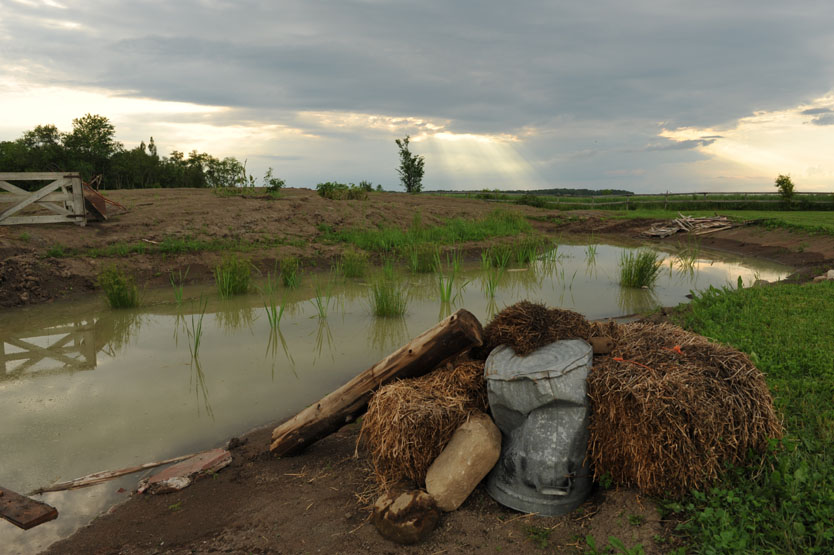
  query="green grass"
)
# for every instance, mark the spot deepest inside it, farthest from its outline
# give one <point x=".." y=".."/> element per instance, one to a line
<point x="638" y="269"/>
<point x="57" y="251"/>
<point x="321" y="300"/>
<point x="810" y="221"/>
<point x="177" y="282"/>
<point x="119" y="288"/>
<point x="789" y="507"/>
<point x="353" y="263"/>
<point x="274" y="311"/>
<point x="498" y="223"/>
<point x="422" y="258"/>
<point x="388" y="298"/>
<point x="195" y="331"/>
<point x="291" y="272"/>
<point x="232" y="276"/>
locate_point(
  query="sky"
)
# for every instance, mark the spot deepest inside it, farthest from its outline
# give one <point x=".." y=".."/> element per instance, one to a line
<point x="645" y="95"/>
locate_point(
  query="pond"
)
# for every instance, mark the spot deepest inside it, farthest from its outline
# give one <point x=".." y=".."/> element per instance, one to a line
<point x="85" y="388"/>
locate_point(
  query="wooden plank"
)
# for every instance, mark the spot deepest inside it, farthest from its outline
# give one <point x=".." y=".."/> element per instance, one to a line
<point x="51" y="197"/>
<point x="36" y="220"/>
<point x="36" y="176"/>
<point x="33" y="197"/>
<point x="24" y="512"/>
<point x="447" y="338"/>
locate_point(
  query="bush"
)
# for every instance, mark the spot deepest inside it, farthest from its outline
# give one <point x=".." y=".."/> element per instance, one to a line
<point x="232" y="276"/>
<point x="119" y="288"/>
<point x="274" y="184"/>
<point x="340" y="191"/>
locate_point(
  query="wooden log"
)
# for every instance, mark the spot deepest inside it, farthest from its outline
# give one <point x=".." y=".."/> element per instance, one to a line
<point x="24" y="512"/>
<point x="449" y="337"/>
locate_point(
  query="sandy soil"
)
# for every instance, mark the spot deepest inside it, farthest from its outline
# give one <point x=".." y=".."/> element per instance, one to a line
<point x="319" y="501"/>
<point x="28" y="275"/>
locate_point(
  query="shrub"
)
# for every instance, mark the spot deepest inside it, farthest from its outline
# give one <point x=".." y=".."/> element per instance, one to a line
<point x="232" y="276"/>
<point x="119" y="288"/>
<point x="274" y="184"/>
<point x="334" y="190"/>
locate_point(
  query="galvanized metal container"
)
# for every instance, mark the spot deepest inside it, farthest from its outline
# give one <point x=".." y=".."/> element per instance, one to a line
<point x="540" y="404"/>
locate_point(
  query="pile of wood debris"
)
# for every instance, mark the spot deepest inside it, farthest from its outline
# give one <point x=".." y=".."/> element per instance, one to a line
<point x="695" y="226"/>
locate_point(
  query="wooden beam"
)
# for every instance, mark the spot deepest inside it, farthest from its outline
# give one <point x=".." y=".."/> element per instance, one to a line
<point x="51" y="197"/>
<point x="447" y="338"/>
<point x="33" y="197"/>
<point x="36" y="176"/>
<point x="24" y="512"/>
<point x="36" y="220"/>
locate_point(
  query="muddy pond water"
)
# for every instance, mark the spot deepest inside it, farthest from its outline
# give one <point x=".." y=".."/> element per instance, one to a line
<point x="84" y="388"/>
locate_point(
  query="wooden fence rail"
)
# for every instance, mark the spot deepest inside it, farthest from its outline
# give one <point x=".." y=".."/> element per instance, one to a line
<point x="64" y="197"/>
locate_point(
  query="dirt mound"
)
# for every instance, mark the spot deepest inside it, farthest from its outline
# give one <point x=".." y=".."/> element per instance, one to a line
<point x="670" y="409"/>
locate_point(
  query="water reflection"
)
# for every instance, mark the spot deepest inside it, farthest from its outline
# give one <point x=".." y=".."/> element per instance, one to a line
<point x="197" y="382"/>
<point x="231" y="317"/>
<point x="116" y="329"/>
<point x="631" y="300"/>
<point x="386" y="334"/>
<point x="276" y="337"/>
<point x="67" y="347"/>
<point x="324" y="340"/>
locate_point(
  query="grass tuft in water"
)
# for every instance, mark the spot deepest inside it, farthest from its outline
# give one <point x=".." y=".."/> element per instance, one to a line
<point x="274" y="311"/>
<point x="353" y="263"/>
<point x="232" y="276"/>
<point x="119" y="288"/>
<point x="422" y="258"/>
<point x="639" y="269"/>
<point x="178" y="282"/>
<point x="388" y="298"/>
<point x="490" y="279"/>
<point x="195" y="330"/>
<point x="291" y="272"/>
<point x="324" y="293"/>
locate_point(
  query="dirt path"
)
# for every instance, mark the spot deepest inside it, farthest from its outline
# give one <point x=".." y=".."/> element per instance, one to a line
<point x="269" y="230"/>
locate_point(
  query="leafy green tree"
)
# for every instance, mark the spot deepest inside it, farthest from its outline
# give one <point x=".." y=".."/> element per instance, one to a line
<point x="785" y="186"/>
<point x="92" y="143"/>
<point x="411" y="167"/>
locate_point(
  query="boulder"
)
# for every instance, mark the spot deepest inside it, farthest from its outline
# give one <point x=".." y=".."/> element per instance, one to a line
<point x="405" y="518"/>
<point x="182" y="474"/>
<point x="466" y="460"/>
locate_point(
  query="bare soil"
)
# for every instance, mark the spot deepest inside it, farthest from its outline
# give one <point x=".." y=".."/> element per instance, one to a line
<point x="28" y="275"/>
<point x="319" y="501"/>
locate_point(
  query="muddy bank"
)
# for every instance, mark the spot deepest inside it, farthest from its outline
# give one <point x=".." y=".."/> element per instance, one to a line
<point x="318" y="502"/>
<point x="32" y="270"/>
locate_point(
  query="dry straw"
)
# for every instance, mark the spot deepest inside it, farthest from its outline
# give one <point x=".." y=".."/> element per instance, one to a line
<point x="526" y="326"/>
<point x="670" y="409"/>
<point x="409" y="422"/>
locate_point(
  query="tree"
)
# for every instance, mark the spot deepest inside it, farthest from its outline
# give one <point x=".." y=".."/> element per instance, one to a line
<point x="411" y="167"/>
<point x="785" y="186"/>
<point x="92" y="143"/>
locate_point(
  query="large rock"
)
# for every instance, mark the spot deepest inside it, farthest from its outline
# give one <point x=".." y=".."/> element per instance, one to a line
<point x="405" y="518"/>
<point x="467" y="459"/>
<point x="182" y="474"/>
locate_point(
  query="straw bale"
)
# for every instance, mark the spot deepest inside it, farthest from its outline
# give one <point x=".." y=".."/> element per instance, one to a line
<point x="670" y="409"/>
<point x="409" y="422"/>
<point x="527" y="326"/>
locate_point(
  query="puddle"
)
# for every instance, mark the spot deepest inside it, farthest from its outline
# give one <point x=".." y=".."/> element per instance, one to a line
<point x="85" y="388"/>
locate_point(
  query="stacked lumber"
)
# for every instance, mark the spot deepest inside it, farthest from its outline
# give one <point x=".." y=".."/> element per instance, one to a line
<point x="688" y="224"/>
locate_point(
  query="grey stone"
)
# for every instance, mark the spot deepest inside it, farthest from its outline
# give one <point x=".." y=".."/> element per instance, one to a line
<point x="464" y="462"/>
<point x="405" y="518"/>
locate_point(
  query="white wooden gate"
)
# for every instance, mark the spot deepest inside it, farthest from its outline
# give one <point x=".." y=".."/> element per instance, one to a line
<point x="64" y="197"/>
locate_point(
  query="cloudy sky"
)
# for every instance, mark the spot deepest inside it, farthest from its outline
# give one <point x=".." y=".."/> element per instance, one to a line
<point x="646" y="95"/>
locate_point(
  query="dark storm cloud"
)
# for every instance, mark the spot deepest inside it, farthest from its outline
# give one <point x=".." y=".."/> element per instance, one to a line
<point x="610" y="71"/>
<point x="825" y="119"/>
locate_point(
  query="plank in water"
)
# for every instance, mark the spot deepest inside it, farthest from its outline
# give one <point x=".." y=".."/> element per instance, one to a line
<point x="24" y="512"/>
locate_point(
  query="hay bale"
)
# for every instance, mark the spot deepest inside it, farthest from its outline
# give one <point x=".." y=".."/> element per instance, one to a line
<point x="409" y="422"/>
<point x="526" y="326"/>
<point x="670" y="409"/>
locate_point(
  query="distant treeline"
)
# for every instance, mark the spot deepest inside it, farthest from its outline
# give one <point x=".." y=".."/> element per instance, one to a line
<point x="91" y="148"/>
<point x="560" y="192"/>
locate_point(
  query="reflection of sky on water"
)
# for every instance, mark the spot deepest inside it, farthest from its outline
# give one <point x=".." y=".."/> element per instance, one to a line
<point x="87" y="389"/>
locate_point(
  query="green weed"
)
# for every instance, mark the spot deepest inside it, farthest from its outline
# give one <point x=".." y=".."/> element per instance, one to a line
<point x="353" y="263"/>
<point x="232" y="276"/>
<point x="323" y="295"/>
<point x="388" y="298"/>
<point x="639" y="269"/>
<point x="291" y="272"/>
<point x="119" y="288"/>
<point x="421" y="258"/>
<point x="539" y="535"/>
<point x="490" y="280"/>
<point x="274" y="311"/>
<point x="56" y="251"/>
<point x="177" y="282"/>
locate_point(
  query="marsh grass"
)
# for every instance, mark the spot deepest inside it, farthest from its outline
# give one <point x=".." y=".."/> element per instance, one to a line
<point x="490" y="280"/>
<point x="291" y="272"/>
<point x="422" y="258"/>
<point x="322" y="298"/>
<point x="591" y="252"/>
<point x="529" y="248"/>
<point x="388" y="298"/>
<point x="233" y="276"/>
<point x="353" y="263"/>
<point x="120" y="289"/>
<point x="639" y="269"/>
<point x="274" y="311"/>
<point x="687" y="256"/>
<point x="195" y="329"/>
<point x="178" y="282"/>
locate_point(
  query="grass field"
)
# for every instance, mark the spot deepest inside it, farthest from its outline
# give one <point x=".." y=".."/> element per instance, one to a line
<point x="789" y="506"/>
<point x="813" y="222"/>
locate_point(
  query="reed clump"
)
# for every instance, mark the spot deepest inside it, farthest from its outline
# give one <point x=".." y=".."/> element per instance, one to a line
<point x="388" y="298"/>
<point x="639" y="269"/>
<point x="232" y="276"/>
<point x="120" y="289"/>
